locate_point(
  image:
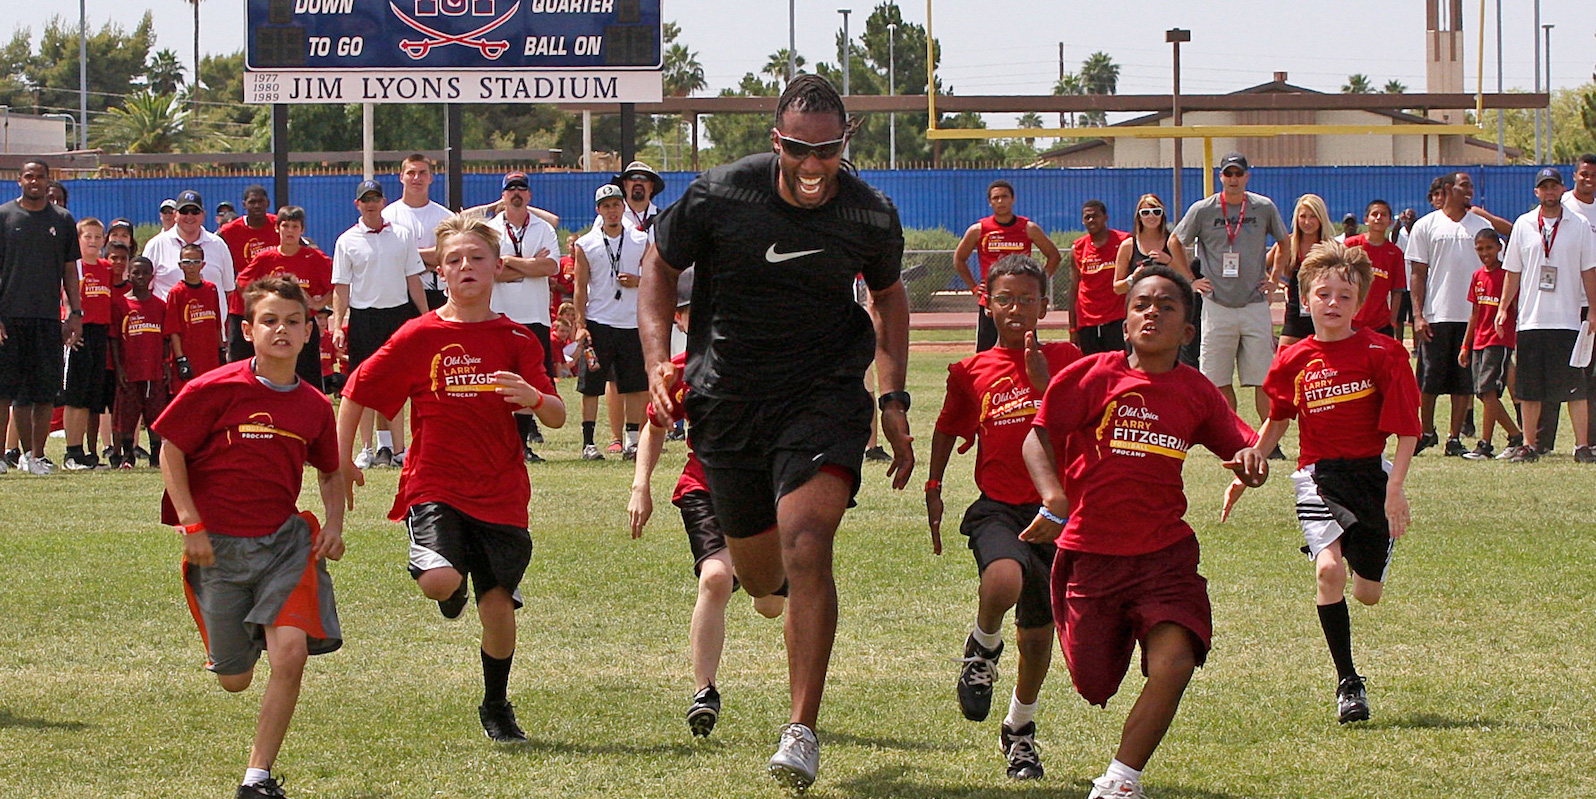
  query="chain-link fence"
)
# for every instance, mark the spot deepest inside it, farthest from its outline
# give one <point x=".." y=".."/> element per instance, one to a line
<point x="935" y="286"/>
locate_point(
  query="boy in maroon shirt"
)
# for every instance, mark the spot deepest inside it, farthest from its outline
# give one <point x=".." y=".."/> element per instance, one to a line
<point x="466" y="371"/>
<point x="991" y="398"/>
<point x="306" y="264"/>
<point x="1120" y="426"/>
<point x="1389" y="273"/>
<point x="237" y="441"/>
<point x="193" y="320"/>
<point x="138" y="350"/>
<point x="1099" y="316"/>
<point x="1349" y="389"/>
<point x="87" y="394"/>
<point x="1489" y="354"/>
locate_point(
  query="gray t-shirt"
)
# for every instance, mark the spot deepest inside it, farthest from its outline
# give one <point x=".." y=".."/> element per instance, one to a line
<point x="34" y="246"/>
<point x="1205" y="225"/>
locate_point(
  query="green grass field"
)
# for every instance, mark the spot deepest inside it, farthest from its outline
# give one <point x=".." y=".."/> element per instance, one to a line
<point x="1481" y="667"/>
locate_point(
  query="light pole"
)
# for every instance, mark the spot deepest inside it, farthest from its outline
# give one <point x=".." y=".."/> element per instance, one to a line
<point x="1501" y="127"/>
<point x="792" y="39"/>
<point x="892" y="89"/>
<point x="1175" y="36"/>
<point x="847" y="60"/>
<point x="1548" y="126"/>
<point x="1534" y="35"/>
<point x="83" y="75"/>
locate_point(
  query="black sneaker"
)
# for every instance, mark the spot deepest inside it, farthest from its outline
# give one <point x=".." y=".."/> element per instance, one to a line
<point x="266" y="789"/>
<point x="1584" y="455"/>
<point x="78" y="461"/>
<point x="1426" y="441"/>
<point x="139" y="452"/>
<point x="13" y="457"/>
<point x="498" y="722"/>
<point x="704" y="711"/>
<point x="1483" y="451"/>
<point x="1019" y="748"/>
<point x="1278" y="454"/>
<point x="1522" y="454"/>
<point x="532" y="457"/>
<point x="877" y="454"/>
<point x="382" y="457"/>
<point x="976" y="679"/>
<point x="452" y="607"/>
<point x="1455" y="448"/>
<point x="1352" y="700"/>
<point x="1516" y="441"/>
<point x="1467" y="430"/>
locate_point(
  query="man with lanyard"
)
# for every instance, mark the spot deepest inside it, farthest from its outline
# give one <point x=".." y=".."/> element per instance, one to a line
<point x="418" y="214"/>
<point x="165" y="249"/>
<point x="1231" y="230"/>
<point x="531" y="252"/>
<point x="246" y="237"/>
<point x="608" y="265"/>
<point x="1002" y="233"/>
<point x="777" y="351"/>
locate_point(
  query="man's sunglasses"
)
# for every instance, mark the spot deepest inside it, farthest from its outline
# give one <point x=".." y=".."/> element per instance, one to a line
<point x="800" y="149"/>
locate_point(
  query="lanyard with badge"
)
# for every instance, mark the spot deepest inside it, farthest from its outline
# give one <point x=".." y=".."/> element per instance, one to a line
<point x="515" y="240"/>
<point x="615" y="260"/>
<point x="1230" y="260"/>
<point x="1548" y="271"/>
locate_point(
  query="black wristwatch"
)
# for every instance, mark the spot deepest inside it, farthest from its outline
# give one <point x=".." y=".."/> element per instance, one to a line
<point x="893" y="396"/>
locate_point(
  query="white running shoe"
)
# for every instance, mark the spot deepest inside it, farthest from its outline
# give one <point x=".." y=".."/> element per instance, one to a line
<point x="797" y="758"/>
<point x="399" y="458"/>
<point x="363" y="459"/>
<point x="1105" y="788"/>
<point x="38" y="467"/>
<point x="4" y="467"/>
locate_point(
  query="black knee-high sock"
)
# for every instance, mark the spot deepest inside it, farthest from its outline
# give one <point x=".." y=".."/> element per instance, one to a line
<point x="587" y="433"/>
<point x="525" y="424"/>
<point x="1337" y="624"/>
<point x="495" y="678"/>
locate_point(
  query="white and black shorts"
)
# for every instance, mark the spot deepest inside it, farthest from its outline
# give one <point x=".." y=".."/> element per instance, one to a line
<point x="1345" y="500"/>
<point x="493" y="555"/>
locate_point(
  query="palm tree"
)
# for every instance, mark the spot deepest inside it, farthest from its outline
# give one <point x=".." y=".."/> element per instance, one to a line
<point x="776" y="67"/>
<point x="1358" y="83"/>
<point x="1030" y="120"/>
<point x="1070" y="85"/>
<point x="1395" y="86"/>
<point x="147" y="122"/>
<point x="164" y="74"/>
<point x="683" y="73"/>
<point x="1100" y="74"/>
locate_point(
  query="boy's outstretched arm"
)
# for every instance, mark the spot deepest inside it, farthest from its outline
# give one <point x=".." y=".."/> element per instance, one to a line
<point x="349" y="413"/>
<point x="1396" y="497"/>
<point x="941" y="450"/>
<point x="174" y="472"/>
<point x="1043" y="466"/>
<point x="1251" y="464"/>
<point x="330" y="542"/>
<point x="641" y="504"/>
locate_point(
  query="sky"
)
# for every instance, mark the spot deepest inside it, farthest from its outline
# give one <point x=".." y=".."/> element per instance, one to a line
<point x="1234" y="43"/>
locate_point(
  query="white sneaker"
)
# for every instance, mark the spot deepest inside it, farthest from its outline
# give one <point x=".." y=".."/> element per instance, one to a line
<point x="363" y="459"/>
<point x="1105" y="788"/>
<point x="399" y="458"/>
<point x="38" y="467"/>
<point x="797" y="758"/>
<point x="4" y="467"/>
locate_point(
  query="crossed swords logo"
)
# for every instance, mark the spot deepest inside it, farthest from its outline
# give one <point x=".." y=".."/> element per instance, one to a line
<point x="436" y="38"/>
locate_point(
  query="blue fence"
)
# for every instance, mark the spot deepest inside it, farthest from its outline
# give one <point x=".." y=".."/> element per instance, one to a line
<point x="949" y="199"/>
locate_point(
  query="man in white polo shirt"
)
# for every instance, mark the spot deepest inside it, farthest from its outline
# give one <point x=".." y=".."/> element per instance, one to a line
<point x="531" y="253"/>
<point x="165" y="249"/>
<point x="376" y="289"/>
<point x="417" y="213"/>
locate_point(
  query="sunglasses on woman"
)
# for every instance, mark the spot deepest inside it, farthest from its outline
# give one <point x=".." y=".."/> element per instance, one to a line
<point x="1150" y="212"/>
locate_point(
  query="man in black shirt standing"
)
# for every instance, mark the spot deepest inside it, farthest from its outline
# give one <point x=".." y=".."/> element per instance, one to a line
<point x="777" y="351"/>
<point x="38" y="266"/>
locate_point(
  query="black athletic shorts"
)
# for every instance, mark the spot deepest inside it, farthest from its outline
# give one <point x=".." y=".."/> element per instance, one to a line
<point x="436" y="298"/>
<point x="31" y="365"/>
<point x="1106" y="337"/>
<point x="993" y="529"/>
<point x="703" y="531"/>
<point x="237" y="348"/>
<point x="85" y="372"/>
<point x="1296" y="322"/>
<point x="541" y="333"/>
<point x="1345" y="500"/>
<point x="757" y="451"/>
<point x="494" y="555"/>
<point x="308" y="367"/>
<point x="985" y="331"/>
<point x="370" y="328"/>
<point x="1543" y="372"/>
<point x="1490" y="366"/>
<point x="1441" y="374"/>
<point x="620" y="358"/>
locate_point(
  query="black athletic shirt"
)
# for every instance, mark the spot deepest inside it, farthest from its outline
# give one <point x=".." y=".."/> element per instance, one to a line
<point x="773" y="303"/>
<point x="33" y="247"/>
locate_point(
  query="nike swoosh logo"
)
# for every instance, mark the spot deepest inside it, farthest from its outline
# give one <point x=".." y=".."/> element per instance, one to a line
<point x="777" y="257"/>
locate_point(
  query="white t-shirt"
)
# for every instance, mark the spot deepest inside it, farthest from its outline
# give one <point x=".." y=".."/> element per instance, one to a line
<point x="1573" y="252"/>
<point x="1402" y="244"/>
<point x="166" y="249"/>
<point x="423" y="226"/>
<point x="1448" y="248"/>
<point x="526" y="299"/>
<point x="608" y="302"/>
<point x="376" y="266"/>
<point x="1587" y="210"/>
<point x="630" y="219"/>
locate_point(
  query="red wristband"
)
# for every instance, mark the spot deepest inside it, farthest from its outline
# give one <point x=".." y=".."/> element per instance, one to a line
<point x="933" y="485"/>
<point x="191" y="529"/>
<point x="540" y="402"/>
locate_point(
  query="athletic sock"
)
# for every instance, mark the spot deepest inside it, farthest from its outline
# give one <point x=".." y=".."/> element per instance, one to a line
<point x="75" y="451"/>
<point x="988" y="641"/>
<point x="631" y="434"/>
<point x="385" y="439"/>
<point x="587" y="433"/>
<point x="1020" y="714"/>
<point x="495" y="678"/>
<point x="255" y="776"/>
<point x="1120" y="771"/>
<point x="1337" y="624"/>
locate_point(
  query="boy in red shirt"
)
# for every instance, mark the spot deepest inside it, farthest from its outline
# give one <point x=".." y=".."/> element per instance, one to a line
<point x="1488" y="353"/>
<point x="306" y="264"/>
<point x="1120" y="426"/>
<point x="86" y="394"/>
<point x="1389" y="273"/>
<point x="1099" y="317"/>
<point x="991" y="398"/>
<point x="1350" y="389"/>
<point x="466" y="371"/>
<point x="237" y="441"/>
<point x="193" y="320"/>
<point x="138" y="350"/>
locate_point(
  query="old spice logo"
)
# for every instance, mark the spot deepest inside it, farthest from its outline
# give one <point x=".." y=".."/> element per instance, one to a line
<point x="1139" y="412"/>
<point x="261" y="426"/>
<point x="1129" y="427"/>
<point x="455" y="371"/>
<point x="198" y="313"/>
<point x="994" y="242"/>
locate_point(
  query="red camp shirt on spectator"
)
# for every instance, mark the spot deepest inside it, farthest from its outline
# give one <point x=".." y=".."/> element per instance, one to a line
<point x="1485" y="291"/>
<point x="1346" y="395"/>
<point x="191" y="312"/>
<point x="245" y="242"/>
<point x="141" y="326"/>
<point x="1390" y="275"/>
<point x="1095" y="300"/>
<point x="309" y="266"/>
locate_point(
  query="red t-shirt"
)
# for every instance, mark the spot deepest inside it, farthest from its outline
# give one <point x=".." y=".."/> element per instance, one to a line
<point x="192" y="314"/>
<point x="245" y="242"/>
<point x="1095" y="300"/>
<point x="94" y="291"/>
<point x="990" y="400"/>
<point x="329" y="353"/>
<point x="692" y="478"/>
<point x="465" y="450"/>
<point x="1390" y="275"/>
<point x="1121" y="437"/>
<point x="140" y="325"/>
<point x="246" y="445"/>
<point x="1485" y="291"/>
<point x="1347" y="395"/>
<point x="310" y="266"/>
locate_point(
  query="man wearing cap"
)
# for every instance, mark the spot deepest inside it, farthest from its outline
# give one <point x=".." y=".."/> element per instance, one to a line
<point x="609" y="261"/>
<point x="639" y="185"/>
<point x="1349" y="228"/>
<point x="418" y="214"/>
<point x="531" y="253"/>
<point x="168" y="214"/>
<point x="1551" y="267"/>
<point x="225" y="212"/>
<point x="1231" y="230"/>
<point x="376" y="289"/>
<point x="246" y="237"/>
<point x="165" y="249"/>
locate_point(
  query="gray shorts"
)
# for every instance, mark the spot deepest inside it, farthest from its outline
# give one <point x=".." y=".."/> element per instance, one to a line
<point x="1237" y="340"/>
<point x="260" y="582"/>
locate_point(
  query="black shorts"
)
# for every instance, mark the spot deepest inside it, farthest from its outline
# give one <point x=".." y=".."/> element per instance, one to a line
<point x="993" y="529"/>
<point x="1490" y="366"/>
<point x="85" y="372"/>
<point x="1296" y="323"/>
<point x="757" y="451"/>
<point x="1441" y="374"/>
<point x="370" y="328"/>
<point x="237" y="348"/>
<point x="1345" y="500"/>
<point x="1106" y="337"/>
<point x="985" y="331"/>
<point x="308" y="367"/>
<point x="494" y="555"/>
<point x="541" y="333"/>
<point x="703" y="531"/>
<point x="1387" y="331"/>
<point x="31" y="365"/>
<point x="1543" y="371"/>
<point x="620" y="358"/>
<point x="436" y="298"/>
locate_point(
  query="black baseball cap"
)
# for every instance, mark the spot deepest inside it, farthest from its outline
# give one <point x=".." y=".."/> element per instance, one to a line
<point x="514" y="180"/>
<point x="187" y="198"/>
<point x="1233" y="159"/>
<point x="1549" y="173"/>
<point x="368" y="187"/>
<point x="225" y="204"/>
<point x="120" y="223"/>
<point x="1349" y="218"/>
